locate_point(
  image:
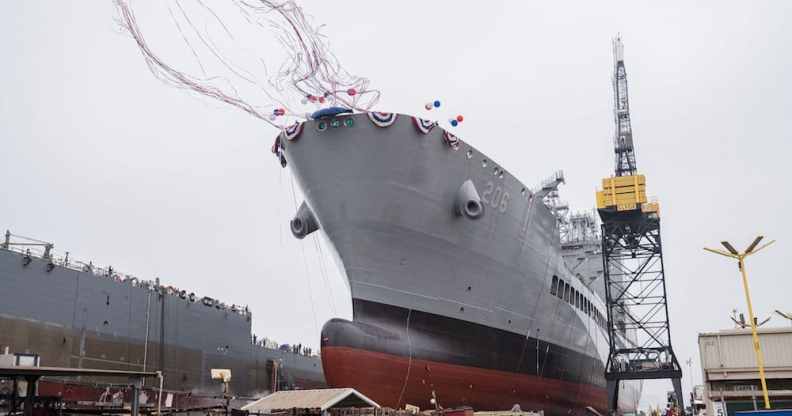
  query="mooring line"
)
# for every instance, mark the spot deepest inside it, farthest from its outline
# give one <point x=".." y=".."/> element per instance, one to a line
<point x="409" y="361"/>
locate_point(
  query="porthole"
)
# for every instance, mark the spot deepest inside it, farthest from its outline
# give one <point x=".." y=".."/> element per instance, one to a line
<point x="484" y="163"/>
<point x="349" y="122"/>
<point x="321" y="126"/>
<point x="469" y="154"/>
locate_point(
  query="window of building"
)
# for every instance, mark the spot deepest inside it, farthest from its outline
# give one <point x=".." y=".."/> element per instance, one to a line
<point x="577" y="300"/>
<point x="561" y="289"/>
<point x="566" y="292"/>
<point x="554" y="286"/>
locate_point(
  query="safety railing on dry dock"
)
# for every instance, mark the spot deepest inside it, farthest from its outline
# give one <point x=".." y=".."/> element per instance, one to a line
<point x="33" y="248"/>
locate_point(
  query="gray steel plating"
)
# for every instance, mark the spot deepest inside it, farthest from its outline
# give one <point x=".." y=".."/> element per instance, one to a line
<point x="387" y="198"/>
<point x="75" y="318"/>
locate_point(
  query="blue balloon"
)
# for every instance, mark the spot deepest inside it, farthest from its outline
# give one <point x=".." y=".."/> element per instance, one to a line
<point x="454" y="123"/>
<point x="437" y="103"/>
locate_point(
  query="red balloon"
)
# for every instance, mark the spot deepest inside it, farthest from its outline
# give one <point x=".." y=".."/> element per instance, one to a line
<point x="321" y="99"/>
<point x="460" y="118"/>
<point x="351" y="92"/>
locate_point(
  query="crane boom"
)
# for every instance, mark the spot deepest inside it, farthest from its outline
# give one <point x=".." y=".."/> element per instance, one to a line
<point x="623" y="141"/>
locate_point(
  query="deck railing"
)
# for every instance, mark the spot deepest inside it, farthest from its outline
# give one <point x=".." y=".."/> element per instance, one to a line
<point x="33" y="248"/>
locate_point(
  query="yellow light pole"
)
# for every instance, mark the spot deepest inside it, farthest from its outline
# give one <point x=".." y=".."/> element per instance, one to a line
<point x="732" y="253"/>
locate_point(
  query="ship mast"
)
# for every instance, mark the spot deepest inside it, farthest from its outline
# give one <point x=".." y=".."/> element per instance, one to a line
<point x="622" y="141"/>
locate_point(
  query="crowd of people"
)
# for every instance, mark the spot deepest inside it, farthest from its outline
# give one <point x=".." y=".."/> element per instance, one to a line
<point x="294" y="349"/>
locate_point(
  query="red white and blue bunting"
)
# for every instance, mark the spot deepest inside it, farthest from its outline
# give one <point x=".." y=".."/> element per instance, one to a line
<point x="423" y="126"/>
<point x="451" y="140"/>
<point x="292" y="132"/>
<point x="382" y="119"/>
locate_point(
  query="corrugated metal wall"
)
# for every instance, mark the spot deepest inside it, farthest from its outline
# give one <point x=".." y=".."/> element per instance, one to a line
<point x="734" y="349"/>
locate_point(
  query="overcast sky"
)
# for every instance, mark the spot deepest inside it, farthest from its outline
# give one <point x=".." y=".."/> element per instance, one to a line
<point x="105" y="161"/>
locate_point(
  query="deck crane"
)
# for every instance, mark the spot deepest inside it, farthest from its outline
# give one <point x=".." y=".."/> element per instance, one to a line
<point x="632" y="256"/>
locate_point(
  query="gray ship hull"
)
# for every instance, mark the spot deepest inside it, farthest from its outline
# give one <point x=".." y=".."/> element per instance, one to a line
<point x="386" y="198"/>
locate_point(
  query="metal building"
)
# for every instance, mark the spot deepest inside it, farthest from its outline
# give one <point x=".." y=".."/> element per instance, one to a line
<point x="317" y="401"/>
<point x="731" y="375"/>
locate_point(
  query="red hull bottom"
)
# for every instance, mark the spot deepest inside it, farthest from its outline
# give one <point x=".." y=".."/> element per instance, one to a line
<point x="394" y="381"/>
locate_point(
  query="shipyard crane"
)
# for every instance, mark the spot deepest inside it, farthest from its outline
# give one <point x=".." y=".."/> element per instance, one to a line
<point x="632" y="255"/>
